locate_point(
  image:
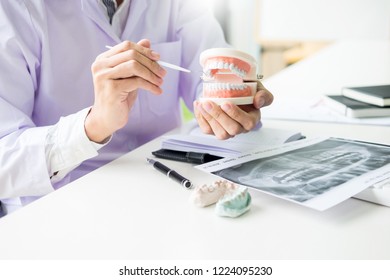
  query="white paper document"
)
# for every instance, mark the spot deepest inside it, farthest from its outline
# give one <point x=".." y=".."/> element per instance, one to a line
<point x="197" y="141"/>
<point x="317" y="172"/>
<point x="314" y="110"/>
<point x="378" y="193"/>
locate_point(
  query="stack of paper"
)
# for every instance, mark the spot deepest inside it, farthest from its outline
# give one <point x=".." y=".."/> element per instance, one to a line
<point x="198" y="142"/>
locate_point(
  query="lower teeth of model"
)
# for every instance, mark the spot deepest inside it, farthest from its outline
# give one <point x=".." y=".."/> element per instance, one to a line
<point x="224" y="86"/>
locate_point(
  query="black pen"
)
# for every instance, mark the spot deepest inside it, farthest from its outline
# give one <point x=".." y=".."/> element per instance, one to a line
<point x="170" y="173"/>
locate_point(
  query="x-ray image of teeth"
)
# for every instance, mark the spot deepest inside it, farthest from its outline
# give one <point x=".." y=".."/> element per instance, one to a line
<point x="305" y="173"/>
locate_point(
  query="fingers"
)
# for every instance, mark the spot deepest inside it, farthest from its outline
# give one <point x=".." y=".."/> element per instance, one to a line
<point x="203" y="124"/>
<point x="224" y="121"/>
<point x="129" y="56"/>
<point x="123" y="56"/>
<point x="247" y="119"/>
<point x="117" y="75"/>
<point x="145" y="43"/>
<point x="228" y="120"/>
<point x="131" y="69"/>
<point x="131" y="61"/>
<point x="263" y="97"/>
<point x="134" y="83"/>
<point x="143" y="47"/>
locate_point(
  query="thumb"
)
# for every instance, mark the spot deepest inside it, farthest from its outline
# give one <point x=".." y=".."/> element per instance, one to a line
<point x="145" y="43"/>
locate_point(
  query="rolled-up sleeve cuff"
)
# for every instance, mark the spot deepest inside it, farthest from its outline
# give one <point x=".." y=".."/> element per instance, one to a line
<point x="72" y="145"/>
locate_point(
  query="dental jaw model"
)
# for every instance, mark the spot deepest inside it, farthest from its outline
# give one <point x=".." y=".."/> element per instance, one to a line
<point x="228" y="75"/>
<point x="231" y="200"/>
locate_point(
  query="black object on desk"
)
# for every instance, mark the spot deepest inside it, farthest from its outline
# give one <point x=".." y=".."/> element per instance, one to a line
<point x="190" y="157"/>
<point x="170" y="173"/>
<point x="2" y="212"/>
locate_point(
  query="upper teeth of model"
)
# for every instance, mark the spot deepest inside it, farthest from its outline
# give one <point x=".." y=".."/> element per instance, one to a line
<point x="221" y="65"/>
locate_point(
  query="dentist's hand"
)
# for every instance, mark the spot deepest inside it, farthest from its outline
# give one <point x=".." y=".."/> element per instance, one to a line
<point x="228" y="120"/>
<point x="117" y="74"/>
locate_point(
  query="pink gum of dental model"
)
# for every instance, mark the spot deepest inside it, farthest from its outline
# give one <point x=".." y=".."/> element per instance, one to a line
<point x="228" y="75"/>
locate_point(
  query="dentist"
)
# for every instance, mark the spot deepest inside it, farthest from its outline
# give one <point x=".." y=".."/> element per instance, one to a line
<point x="68" y="105"/>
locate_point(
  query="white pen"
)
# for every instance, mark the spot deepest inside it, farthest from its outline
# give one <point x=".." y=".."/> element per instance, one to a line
<point x="166" y="64"/>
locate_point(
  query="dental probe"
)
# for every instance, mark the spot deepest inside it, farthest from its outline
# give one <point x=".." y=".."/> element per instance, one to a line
<point x="166" y="64"/>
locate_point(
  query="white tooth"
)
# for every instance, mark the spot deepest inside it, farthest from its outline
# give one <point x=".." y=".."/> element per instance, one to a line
<point x="229" y="87"/>
<point x="220" y="65"/>
<point x="231" y="66"/>
<point x="226" y="65"/>
<point x="237" y="71"/>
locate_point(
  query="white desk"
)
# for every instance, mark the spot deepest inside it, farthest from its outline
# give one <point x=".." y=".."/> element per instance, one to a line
<point x="128" y="210"/>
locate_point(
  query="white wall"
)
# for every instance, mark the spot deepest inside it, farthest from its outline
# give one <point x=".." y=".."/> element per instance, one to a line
<point x="238" y="18"/>
<point x="324" y="19"/>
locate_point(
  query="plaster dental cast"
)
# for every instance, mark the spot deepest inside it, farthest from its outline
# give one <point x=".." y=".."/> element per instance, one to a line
<point x="231" y="200"/>
<point x="69" y="105"/>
